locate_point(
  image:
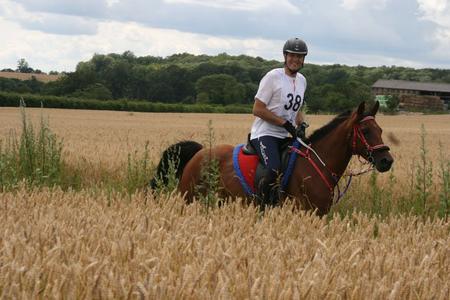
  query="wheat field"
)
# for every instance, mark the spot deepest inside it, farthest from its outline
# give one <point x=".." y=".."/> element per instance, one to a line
<point x="99" y="243"/>
<point x="106" y="137"/>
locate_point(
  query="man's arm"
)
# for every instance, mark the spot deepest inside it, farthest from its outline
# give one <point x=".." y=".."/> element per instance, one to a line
<point x="260" y="110"/>
<point x="300" y="118"/>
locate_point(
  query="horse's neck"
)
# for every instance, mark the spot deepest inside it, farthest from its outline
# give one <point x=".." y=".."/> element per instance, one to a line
<point x="334" y="150"/>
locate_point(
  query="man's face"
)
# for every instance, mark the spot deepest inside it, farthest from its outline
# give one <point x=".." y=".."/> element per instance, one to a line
<point x="294" y="61"/>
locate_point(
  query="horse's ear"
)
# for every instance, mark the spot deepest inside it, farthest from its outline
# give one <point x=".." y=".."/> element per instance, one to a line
<point x="358" y="114"/>
<point x="375" y="107"/>
<point x="361" y="108"/>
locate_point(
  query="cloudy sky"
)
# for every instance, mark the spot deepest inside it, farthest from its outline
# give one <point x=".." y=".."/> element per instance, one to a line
<point x="57" y="34"/>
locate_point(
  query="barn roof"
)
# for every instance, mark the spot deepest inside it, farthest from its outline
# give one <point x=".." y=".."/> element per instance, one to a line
<point x="412" y="85"/>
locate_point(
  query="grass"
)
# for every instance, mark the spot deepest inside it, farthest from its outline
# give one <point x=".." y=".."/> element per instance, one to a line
<point x="171" y="177"/>
<point x="444" y="194"/>
<point x="208" y="191"/>
<point x="424" y="177"/>
<point x="138" y="169"/>
<point x="34" y="157"/>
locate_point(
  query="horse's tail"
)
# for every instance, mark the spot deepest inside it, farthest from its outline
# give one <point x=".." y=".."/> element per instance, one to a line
<point x="175" y="159"/>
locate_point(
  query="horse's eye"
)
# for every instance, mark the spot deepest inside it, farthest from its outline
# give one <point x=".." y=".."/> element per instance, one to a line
<point x="365" y="131"/>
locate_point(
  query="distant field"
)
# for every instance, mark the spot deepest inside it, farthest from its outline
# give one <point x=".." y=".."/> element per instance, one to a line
<point x="107" y="137"/>
<point x="99" y="243"/>
<point x="28" y="76"/>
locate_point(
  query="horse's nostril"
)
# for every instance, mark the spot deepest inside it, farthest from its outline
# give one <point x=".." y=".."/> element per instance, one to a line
<point x="387" y="162"/>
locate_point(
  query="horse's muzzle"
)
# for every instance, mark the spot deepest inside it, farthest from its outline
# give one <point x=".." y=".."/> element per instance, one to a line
<point x="384" y="163"/>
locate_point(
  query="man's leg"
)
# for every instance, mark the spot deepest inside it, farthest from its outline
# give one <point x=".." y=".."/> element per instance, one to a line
<point x="268" y="151"/>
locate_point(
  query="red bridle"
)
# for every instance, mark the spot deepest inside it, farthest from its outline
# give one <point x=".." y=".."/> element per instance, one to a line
<point x="357" y="133"/>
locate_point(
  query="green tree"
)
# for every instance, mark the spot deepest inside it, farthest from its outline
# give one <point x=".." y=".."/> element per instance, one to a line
<point x="94" y="91"/>
<point x="220" y="79"/>
<point x="83" y="76"/>
<point x="140" y="82"/>
<point x="220" y="89"/>
<point x="393" y="102"/>
<point x="23" y="67"/>
<point x="117" y="78"/>
<point x="250" y="92"/>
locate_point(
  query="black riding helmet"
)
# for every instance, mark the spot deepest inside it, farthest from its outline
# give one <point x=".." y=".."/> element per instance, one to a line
<point x="295" y="45"/>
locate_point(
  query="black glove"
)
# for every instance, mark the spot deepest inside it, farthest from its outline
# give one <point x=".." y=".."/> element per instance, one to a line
<point x="301" y="130"/>
<point x="290" y="128"/>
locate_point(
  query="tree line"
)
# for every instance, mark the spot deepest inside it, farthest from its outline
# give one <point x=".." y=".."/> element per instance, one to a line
<point x="213" y="80"/>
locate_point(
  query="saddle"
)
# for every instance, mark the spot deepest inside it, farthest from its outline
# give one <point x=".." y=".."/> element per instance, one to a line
<point x="248" y="166"/>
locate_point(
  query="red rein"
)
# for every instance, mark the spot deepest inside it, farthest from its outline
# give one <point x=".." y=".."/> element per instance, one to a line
<point x="307" y="155"/>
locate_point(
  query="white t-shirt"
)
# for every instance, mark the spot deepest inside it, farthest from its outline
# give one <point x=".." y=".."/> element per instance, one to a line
<point x="283" y="95"/>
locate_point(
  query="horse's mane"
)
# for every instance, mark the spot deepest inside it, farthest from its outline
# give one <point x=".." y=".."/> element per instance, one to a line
<point x="330" y="126"/>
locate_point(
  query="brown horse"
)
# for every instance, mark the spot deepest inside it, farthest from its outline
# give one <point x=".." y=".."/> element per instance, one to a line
<point x="316" y="171"/>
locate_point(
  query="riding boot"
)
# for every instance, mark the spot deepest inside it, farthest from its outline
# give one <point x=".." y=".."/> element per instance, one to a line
<point x="275" y="195"/>
<point x="263" y="193"/>
<point x="268" y="195"/>
<point x="268" y="189"/>
<point x="260" y="192"/>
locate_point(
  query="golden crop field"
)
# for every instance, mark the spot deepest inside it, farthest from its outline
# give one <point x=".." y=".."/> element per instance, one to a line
<point x="107" y="137"/>
<point x="100" y="243"/>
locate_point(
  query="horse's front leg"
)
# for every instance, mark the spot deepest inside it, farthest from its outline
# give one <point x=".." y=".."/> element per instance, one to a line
<point x="309" y="193"/>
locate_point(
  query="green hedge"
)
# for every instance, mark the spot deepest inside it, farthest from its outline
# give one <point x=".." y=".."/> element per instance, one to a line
<point x="13" y="99"/>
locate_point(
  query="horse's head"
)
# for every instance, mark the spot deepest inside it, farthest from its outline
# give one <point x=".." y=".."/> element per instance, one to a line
<point x="366" y="138"/>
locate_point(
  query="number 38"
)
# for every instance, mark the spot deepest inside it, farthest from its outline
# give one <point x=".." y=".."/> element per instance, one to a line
<point x="295" y="106"/>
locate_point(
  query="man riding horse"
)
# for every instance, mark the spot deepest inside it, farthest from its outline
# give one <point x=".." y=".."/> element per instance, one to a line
<point x="277" y="108"/>
<point x="314" y="168"/>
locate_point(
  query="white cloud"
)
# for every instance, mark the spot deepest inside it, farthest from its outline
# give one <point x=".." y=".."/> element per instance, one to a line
<point x="48" y="22"/>
<point x="369" y="60"/>
<point x="111" y="2"/>
<point x="53" y="52"/>
<point x="42" y="51"/>
<point x="57" y="34"/>
<point x="357" y="4"/>
<point x="249" y="5"/>
<point x="441" y="39"/>
<point x="84" y="8"/>
<point x="436" y="11"/>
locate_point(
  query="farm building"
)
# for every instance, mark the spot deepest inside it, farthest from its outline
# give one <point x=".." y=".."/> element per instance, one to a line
<point x="413" y="94"/>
